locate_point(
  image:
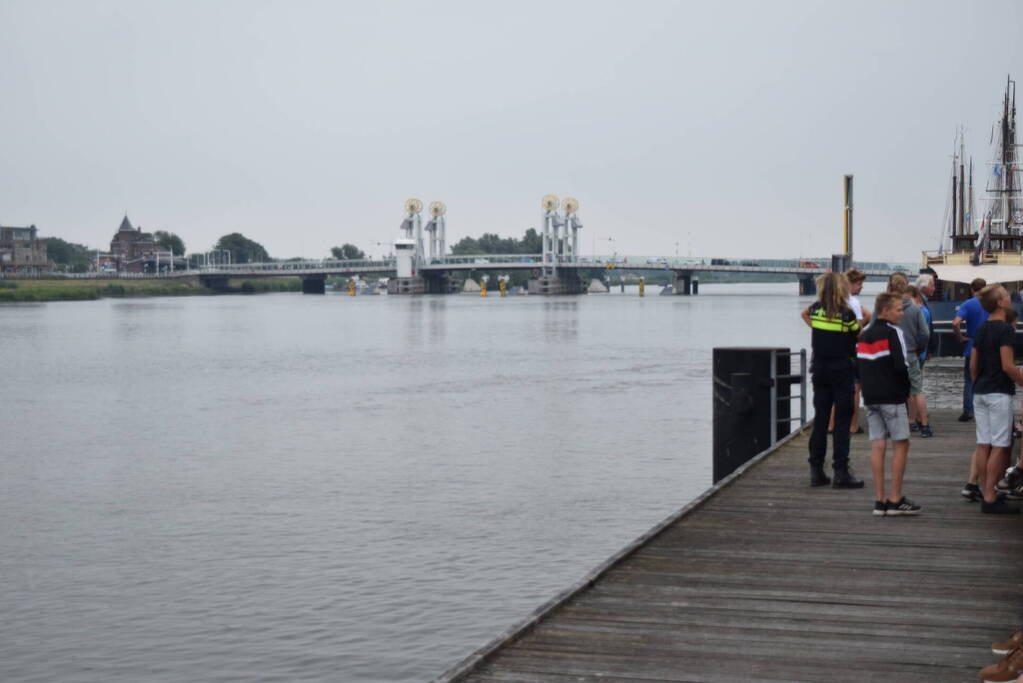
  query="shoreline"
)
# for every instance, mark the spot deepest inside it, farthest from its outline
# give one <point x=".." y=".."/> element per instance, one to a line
<point x="69" y="289"/>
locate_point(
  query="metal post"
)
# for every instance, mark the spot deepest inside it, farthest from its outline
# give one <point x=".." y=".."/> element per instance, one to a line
<point x="545" y="241"/>
<point x="441" y="239"/>
<point x="773" y="401"/>
<point x="575" y="239"/>
<point x="418" y="227"/>
<point x="802" y="387"/>
<point x="849" y="216"/>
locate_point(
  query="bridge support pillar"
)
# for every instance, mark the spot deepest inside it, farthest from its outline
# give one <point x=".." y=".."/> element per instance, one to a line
<point x="406" y="285"/>
<point x="217" y="283"/>
<point x="560" y="283"/>
<point x="696" y="286"/>
<point x="314" y="285"/>
<point x="807" y="285"/>
<point x="439" y="283"/>
<point x="685" y="284"/>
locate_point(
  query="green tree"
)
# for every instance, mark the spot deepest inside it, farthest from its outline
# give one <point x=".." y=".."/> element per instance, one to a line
<point x="490" y="243"/>
<point x="348" y="252"/>
<point x="76" y="258"/>
<point x="243" y="250"/>
<point x="465" y="247"/>
<point x="532" y="242"/>
<point x="170" y="242"/>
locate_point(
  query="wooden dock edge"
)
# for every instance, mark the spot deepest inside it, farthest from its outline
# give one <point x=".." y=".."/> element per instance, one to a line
<point x="465" y="667"/>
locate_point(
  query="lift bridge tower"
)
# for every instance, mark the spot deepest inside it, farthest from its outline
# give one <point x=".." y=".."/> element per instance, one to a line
<point x="411" y="252"/>
<point x="560" y="246"/>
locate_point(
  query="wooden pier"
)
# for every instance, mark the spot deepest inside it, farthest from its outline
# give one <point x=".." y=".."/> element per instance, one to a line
<point x="767" y="579"/>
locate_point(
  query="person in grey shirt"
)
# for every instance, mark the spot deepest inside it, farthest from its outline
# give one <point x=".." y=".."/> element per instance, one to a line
<point x="915" y="330"/>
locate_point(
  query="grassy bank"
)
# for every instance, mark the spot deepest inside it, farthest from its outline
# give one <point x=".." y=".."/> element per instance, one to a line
<point x="87" y="290"/>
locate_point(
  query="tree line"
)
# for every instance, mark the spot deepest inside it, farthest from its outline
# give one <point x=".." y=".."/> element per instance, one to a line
<point x="79" y="258"/>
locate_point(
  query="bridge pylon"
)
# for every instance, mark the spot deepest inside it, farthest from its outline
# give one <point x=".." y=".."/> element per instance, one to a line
<point x="559" y="246"/>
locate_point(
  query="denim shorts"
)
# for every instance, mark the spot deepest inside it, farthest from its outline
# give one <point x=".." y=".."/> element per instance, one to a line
<point x="888" y="420"/>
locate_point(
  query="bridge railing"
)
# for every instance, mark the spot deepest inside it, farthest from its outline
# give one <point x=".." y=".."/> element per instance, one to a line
<point x="326" y="264"/>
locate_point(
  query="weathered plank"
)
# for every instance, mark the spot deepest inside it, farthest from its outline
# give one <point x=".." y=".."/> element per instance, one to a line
<point x="770" y="580"/>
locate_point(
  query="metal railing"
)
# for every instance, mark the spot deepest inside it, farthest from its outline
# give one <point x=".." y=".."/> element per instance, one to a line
<point x="790" y="379"/>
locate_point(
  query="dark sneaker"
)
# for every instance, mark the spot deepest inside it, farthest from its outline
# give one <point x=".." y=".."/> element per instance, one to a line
<point x="903" y="507"/>
<point x="999" y="507"/>
<point x="914" y="426"/>
<point x="845" y="479"/>
<point x="817" y="476"/>
<point x="971" y="492"/>
<point x="1002" y="647"/>
<point x="1006" y="670"/>
<point x="1012" y="479"/>
<point x="1015" y="494"/>
<point x="880" y="508"/>
<point x="925" y="431"/>
<point x="965" y="417"/>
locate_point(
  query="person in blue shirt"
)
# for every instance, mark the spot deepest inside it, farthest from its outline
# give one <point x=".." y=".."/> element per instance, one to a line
<point x="970" y="312"/>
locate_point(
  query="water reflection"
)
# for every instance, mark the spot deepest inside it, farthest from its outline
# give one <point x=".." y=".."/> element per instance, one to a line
<point x="561" y="323"/>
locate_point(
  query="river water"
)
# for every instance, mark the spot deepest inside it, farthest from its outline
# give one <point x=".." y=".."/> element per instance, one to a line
<point x="326" y="488"/>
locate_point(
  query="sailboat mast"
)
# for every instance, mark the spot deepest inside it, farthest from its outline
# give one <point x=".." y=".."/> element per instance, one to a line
<point x="962" y="191"/>
<point x="970" y="211"/>
<point x="1006" y="172"/>
<point x="955" y="199"/>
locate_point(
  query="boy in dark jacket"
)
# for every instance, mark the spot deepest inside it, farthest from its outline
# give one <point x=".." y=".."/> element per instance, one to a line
<point x="884" y="373"/>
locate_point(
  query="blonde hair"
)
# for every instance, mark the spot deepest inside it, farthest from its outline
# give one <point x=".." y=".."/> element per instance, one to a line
<point x="990" y="296"/>
<point x="833" y="293"/>
<point x="898" y="283"/>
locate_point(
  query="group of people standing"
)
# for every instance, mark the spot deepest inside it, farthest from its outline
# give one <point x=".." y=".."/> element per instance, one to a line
<point x="880" y="355"/>
<point x="883" y="355"/>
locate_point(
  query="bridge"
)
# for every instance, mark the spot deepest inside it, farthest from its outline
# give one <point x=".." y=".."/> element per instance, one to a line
<point x="438" y="269"/>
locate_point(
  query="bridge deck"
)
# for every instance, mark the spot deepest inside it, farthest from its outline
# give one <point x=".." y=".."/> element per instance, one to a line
<point x="770" y="580"/>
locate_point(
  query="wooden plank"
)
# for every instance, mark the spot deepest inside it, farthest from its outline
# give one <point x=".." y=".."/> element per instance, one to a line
<point x="770" y="580"/>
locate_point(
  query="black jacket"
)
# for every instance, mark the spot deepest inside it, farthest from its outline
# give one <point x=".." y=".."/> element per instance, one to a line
<point x="884" y="373"/>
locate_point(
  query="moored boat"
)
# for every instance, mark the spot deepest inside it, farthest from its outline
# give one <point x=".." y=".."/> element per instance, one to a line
<point x="989" y="245"/>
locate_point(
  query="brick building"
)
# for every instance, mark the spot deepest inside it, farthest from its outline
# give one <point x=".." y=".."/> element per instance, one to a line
<point x="22" y="252"/>
<point x="132" y="249"/>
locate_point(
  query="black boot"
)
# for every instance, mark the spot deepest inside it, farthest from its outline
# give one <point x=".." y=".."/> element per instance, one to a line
<point x="817" y="476"/>
<point x="845" y="479"/>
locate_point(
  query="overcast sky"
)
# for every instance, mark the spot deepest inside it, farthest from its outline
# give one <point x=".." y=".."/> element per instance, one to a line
<point x="723" y="128"/>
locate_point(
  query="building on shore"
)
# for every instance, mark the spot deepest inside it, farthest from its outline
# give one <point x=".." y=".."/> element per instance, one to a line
<point x="132" y="248"/>
<point x="134" y="251"/>
<point x="22" y="252"/>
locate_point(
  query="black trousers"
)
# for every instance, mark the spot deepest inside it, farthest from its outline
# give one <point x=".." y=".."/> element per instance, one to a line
<point x="832" y="386"/>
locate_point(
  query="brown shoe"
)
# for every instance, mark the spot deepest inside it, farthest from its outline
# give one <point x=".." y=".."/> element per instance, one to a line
<point x="1006" y="670"/>
<point x="1002" y="647"/>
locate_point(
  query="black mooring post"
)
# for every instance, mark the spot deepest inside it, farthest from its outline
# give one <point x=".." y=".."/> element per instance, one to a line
<point x="751" y="404"/>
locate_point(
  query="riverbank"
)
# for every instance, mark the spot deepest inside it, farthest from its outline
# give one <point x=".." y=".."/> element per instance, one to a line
<point x="68" y="289"/>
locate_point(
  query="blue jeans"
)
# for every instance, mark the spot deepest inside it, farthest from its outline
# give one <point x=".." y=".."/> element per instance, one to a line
<point x="967" y="387"/>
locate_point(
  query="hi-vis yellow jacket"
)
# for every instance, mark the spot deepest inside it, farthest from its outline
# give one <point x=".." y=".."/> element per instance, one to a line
<point x="833" y="337"/>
